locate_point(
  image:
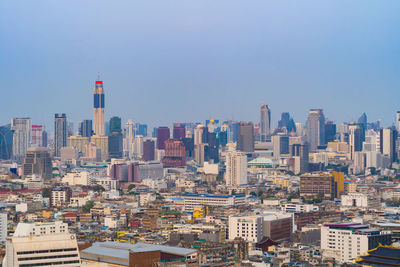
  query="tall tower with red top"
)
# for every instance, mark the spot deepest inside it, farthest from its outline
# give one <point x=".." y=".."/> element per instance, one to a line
<point x="98" y="109"/>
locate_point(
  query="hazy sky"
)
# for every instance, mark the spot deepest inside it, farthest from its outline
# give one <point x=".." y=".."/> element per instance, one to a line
<point x="189" y="60"/>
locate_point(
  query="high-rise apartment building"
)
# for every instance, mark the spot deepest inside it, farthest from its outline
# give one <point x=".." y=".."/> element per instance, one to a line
<point x="37" y="161"/>
<point x="98" y="109"/>
<point x="60" y="133"/>
<point x="265" y="122"/>
<point x="22" y="135"/>
<point x="85" y="128"/>
<point x="236" y="168"/>
<point x="163" y="135"/>
<point x="315" y="128"/>
<point x="6" y="142"/>
<point x="42" y="244"/>
<point x="245" y="142"/>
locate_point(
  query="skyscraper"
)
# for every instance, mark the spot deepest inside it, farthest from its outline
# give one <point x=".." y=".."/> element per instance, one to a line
<point x="179" y="132"/>
<point x="287" y="122"/>
<point x="387" y="143"/>
<point x="330" y="132"/>
<point x="128" y="140"/>
<point x="37" y="135"/>
<point x="398" y="121"/>
<point x="245" y="141"/>
<point x="99" y="109"/>
<point x="163" y="135"/>
<point x="85" y="128"/>
<point x="115" y="138"/>
<point x="355" y="139"/>
<point x="280" y="145"/>
<point x="60" y="133"/>
<point x="6" y="141"/>
<point x="148" y="150"/>
<point x="174" y="154"/>
<point x="115" y="125"/>
<point x="315" y="128"/>
<point x="265" y="122"/>
<point x="22" y="128"/>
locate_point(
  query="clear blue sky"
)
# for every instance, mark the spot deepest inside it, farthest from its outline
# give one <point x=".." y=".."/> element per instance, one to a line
<point x="179" y="60"/>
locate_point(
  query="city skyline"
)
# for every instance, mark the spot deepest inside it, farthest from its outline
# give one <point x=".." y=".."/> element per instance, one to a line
<point x="284" y="54"/>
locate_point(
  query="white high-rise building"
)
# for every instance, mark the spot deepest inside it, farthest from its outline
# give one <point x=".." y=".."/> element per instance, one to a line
<point x="42" y="244"/>
<point x="299" y="129"/>
<point x="265" y="122"/>
<point x="236" y="168"/>
<point x="198" y="134"/>
<point x="129" y="138"/>
<point x="138" y="146"/>
<point x="398" y="121"/>
<point x="370" y="143"/>
<point x="22" y="136"/>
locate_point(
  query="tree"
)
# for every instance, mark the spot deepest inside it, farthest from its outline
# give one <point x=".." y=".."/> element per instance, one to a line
<point x="89" y="204"/>
<point x="98" y="188"/>
<point x="46" y="192"/>
<point x="131" y="186"/>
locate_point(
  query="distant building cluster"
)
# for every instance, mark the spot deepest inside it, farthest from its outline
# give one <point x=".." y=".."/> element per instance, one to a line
<point x="214" y="193"/>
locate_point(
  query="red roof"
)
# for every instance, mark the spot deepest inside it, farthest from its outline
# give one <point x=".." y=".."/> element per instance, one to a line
<point x="99" y="82"/>
<point x="70" y="214"/>
<point x="17" y="191"/>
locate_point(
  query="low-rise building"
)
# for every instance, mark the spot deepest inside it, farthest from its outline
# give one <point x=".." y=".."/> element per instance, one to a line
<point x="344" y="242"/>
<point x="195" y="200"/>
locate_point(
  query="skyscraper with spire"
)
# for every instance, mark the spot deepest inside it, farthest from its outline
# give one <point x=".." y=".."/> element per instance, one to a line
<point x="98" y="109"/>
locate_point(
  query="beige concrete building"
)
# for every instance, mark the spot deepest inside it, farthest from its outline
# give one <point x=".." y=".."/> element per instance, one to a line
<point x="42" y="244"/>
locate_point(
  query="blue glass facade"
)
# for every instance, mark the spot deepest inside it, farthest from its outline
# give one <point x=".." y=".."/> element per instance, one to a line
<point x="98" y="101"/>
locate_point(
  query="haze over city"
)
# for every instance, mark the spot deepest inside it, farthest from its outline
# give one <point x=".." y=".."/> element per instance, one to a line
<point x="164" y="61"/>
